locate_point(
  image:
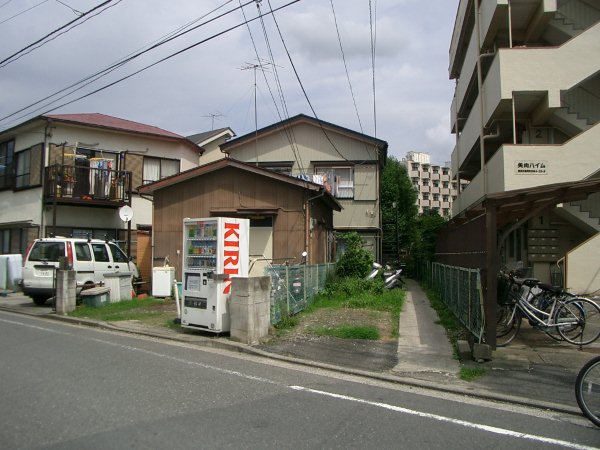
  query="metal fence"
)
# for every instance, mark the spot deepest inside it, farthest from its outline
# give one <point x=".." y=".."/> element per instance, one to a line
<point x="460" y="290"/>
<point x="293" y="288"/>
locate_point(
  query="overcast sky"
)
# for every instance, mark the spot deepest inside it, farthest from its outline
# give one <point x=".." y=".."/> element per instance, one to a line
<point x="210" y="85"/>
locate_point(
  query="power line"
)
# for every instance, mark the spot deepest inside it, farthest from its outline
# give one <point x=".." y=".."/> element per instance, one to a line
<point x="302" y="86"/>
<point x="43" y="40"/>
<point x="345" y="65"/>
<point x="288" y="133"/>
<point x="373" y="12"/>
<point x="76" y="12"/>
<point x="106" y="86"/>
<point x="97" y="75"/>
<point x="23" y="12"/>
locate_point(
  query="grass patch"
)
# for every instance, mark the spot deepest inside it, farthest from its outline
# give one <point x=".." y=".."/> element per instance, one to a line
<point x="139" y="309"/>
<point x="454" y="329"/>
<point x="348" y="332"/>
<point x="361" y="294"/>
<point x="471" y="373"/>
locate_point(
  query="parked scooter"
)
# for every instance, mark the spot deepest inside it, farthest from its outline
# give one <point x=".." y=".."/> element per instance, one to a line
<point x="391" y="278"/>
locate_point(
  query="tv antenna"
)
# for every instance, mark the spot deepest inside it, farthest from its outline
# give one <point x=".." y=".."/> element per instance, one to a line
<point x="212" y="119"/>
<point x="264" y="66"/>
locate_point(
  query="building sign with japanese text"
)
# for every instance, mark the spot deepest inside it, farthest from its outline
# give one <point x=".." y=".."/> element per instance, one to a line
<point x="535" y="167"/>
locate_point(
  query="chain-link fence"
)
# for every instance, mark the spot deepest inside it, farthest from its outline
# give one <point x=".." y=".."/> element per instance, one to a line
<point x="293" y="288"/>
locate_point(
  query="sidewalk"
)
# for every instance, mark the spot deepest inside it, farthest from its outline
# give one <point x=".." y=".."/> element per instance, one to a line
<point x="534" y="370"/>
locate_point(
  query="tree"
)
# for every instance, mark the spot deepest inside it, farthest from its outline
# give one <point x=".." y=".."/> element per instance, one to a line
<point x="398" y="209"/>
<point x="427" y="229"/>
<point x="356" y="261"/>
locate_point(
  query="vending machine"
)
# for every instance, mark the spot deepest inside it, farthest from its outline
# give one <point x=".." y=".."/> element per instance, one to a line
<point x="215" y="250"/>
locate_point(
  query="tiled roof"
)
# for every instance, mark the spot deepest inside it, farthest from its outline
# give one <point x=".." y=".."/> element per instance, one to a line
<point x="201" y="137"/>
<point x="115" y="123"/>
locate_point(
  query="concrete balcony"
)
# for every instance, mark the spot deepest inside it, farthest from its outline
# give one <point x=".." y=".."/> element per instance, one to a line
<point x="536" y="77"/>
<point x="508" y="169"/>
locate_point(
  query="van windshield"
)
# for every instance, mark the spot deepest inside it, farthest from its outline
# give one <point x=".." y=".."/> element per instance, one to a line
<point x="47" y="251"/>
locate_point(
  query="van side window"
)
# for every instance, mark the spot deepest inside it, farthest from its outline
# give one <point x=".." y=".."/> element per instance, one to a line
<point x="100" y="253"/>
<point x="117" y="254"/>
<point x="82" y="252"/>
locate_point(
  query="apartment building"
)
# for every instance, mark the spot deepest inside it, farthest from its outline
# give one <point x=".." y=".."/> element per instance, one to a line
<point x="435" y="187"/>
<point x="525" y="112"/>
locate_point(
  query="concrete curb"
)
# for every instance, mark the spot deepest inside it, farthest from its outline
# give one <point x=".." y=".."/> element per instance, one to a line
<point x="223" y="344"/>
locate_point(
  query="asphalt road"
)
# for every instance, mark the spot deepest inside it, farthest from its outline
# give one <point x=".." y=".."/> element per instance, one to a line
<point x="65" y="386"/>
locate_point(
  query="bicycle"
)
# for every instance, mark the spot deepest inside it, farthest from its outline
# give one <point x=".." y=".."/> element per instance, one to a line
<point x="559" y="314"/>
<point x="587" y="390"/>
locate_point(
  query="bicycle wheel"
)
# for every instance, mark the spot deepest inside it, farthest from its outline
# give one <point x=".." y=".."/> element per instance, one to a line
<point x="508" y="323"/>
<point x="578" y="321"/>
<point x="587" y="390"/>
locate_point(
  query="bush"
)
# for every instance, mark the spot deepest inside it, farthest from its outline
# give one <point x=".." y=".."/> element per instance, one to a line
<point x="356" y="261"/>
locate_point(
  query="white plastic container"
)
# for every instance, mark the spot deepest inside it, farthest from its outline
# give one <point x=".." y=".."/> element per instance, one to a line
<point x="162" y="281"/>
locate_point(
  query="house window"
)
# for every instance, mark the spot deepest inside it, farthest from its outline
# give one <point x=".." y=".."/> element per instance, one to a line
<point x="7" y="150"/>
<point x="158" y="168"/>
<point x="284" y="169"/>
<point x="28" y="167"/>
<point x="339" y="181"/>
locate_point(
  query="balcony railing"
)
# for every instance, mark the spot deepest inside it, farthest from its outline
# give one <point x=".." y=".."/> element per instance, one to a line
<point x="74" y="184"/>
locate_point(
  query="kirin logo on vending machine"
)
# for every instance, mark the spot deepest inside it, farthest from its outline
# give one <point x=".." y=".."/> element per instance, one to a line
<point x="231" y="253"/>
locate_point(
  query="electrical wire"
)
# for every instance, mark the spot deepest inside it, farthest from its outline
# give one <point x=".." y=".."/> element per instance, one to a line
<point x="172" y="55"/>
<point x="76" y="12"/>
<point x="302" y="86"/>
<point x="345" y="65"/>
<point x="23" y="12"/>
<point x="292" y="135"/>
<point x="373" y="12"/>
<point x="44" y="40"/>
<point x="97" y="75"/>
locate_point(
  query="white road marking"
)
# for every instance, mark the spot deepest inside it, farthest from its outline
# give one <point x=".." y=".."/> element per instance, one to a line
<point x="439" y="418"/>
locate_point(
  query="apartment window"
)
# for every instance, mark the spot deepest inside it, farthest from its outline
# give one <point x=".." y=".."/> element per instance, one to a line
<point x="158" y="168"/>
<point x="436" y="183"/>
<point x="7" y="150"/>
<point x="339" y="181"/>
<point x="435" y="170"/>
<point x="425" y="196"/>
<point x="436" y="197"/>
<point x="415" y="166"/>
<point x="445" y="198"/>
<point x="425" y="168"/>
<point x="445" y="184"/>
<point x="28" y="167"/>
<point x="444" y="171"/>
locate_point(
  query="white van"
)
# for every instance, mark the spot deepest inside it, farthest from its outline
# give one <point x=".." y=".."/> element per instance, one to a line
<point x="89" y="258"/>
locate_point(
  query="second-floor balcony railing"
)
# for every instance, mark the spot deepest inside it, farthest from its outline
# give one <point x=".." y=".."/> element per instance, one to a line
<point x="67" y="183"/>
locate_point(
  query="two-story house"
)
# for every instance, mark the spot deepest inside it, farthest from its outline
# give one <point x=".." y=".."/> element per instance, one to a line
<point x="346" y="162"/>
<point x="71" y="174"/>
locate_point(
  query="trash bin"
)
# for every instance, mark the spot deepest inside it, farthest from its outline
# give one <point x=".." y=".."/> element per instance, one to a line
<point x="162" y="281"/>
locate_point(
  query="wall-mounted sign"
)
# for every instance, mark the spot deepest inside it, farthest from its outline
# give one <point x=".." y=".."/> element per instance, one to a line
<point x="532" y="167"/>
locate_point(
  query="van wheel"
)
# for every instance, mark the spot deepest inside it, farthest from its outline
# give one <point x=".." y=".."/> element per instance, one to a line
<point x="40" y="301"/>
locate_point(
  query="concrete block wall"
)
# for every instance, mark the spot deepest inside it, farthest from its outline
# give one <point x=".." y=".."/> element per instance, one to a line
<point x="250" y="309"/>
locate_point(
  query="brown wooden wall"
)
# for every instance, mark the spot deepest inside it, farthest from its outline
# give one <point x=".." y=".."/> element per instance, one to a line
<point x="223" y="193"/>
<point x="463" y="245"/>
